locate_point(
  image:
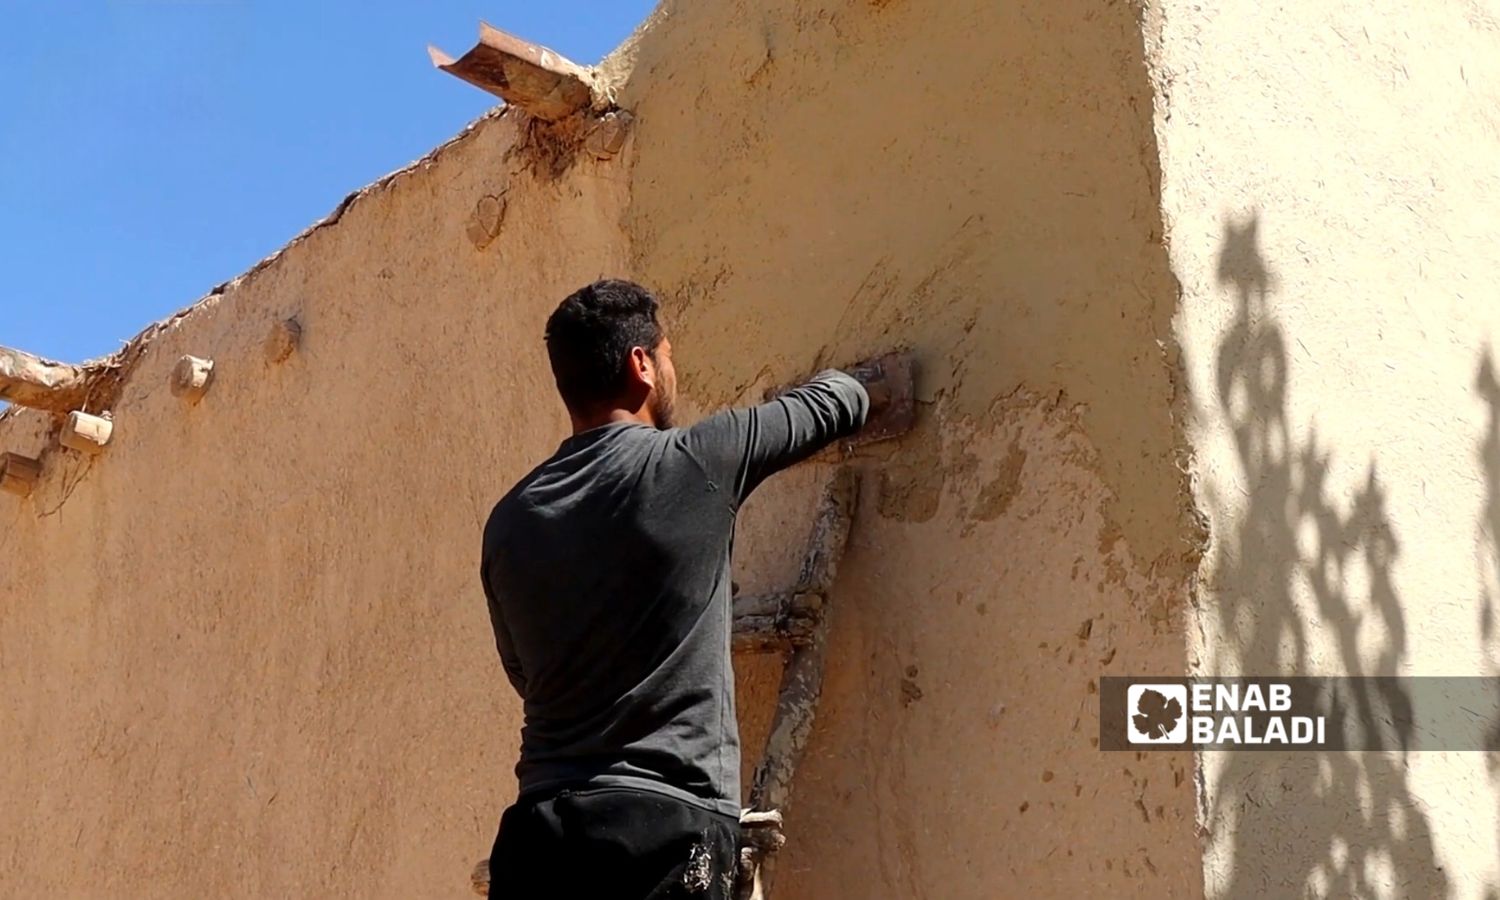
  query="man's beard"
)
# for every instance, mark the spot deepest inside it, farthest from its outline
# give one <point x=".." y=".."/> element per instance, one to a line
<point x="662" y="410"/>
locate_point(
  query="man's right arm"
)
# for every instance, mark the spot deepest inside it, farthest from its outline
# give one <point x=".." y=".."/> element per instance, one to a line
<point x="743" y="447"/>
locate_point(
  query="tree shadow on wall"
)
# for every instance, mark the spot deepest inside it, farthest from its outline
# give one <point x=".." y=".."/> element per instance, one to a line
<point x="1487" y="385"/>
<point x="1289" y="601"/>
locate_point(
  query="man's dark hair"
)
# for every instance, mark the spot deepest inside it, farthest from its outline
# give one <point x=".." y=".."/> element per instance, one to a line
<point x="590" y="336"/>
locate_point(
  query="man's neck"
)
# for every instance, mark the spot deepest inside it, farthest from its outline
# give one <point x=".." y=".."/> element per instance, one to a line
<point x="611" y="417"/>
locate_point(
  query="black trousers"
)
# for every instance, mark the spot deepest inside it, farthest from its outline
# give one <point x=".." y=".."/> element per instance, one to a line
<point x="613" y="844"/>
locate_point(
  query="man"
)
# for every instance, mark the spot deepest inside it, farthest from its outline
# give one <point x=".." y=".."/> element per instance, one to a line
<point x="607" y="575"/>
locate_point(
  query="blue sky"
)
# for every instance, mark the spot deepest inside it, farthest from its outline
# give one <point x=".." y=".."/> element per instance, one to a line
<point x="152" y="149"/>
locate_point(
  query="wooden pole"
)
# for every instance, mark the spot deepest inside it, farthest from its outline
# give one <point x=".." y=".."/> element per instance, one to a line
<point x="807" y="619"/>
<point x="27" y="380"/>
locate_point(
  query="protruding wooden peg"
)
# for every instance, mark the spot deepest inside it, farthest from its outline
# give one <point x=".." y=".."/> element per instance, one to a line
<point x="18" y="474"/>
<point x="191" y="378"/>
<point x="282" y="342"/>
<point x="86" y="433"/>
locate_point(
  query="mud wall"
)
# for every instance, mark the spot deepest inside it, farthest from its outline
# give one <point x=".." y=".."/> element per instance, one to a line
<point x="1330" y="197"/>
<point x="245" y="650"/>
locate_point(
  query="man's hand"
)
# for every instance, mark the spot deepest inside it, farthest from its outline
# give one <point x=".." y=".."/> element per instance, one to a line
<point x="890" y="382"/>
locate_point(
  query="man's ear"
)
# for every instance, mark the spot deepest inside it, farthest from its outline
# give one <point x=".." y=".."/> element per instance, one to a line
<point x="642" y="369"/>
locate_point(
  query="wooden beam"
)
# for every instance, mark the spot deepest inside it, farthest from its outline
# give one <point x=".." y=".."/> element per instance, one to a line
<point x="760" y="623"/>
<point x="27" y="380"/>
<point x="779" y="633"/>
<point x="526" y="75"/>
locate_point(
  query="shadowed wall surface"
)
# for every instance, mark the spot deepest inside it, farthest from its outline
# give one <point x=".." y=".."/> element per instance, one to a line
<point x="1330" y="196"/>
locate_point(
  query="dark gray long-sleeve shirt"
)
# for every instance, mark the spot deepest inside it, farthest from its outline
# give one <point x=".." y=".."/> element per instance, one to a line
<point x="607" y="575"/>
